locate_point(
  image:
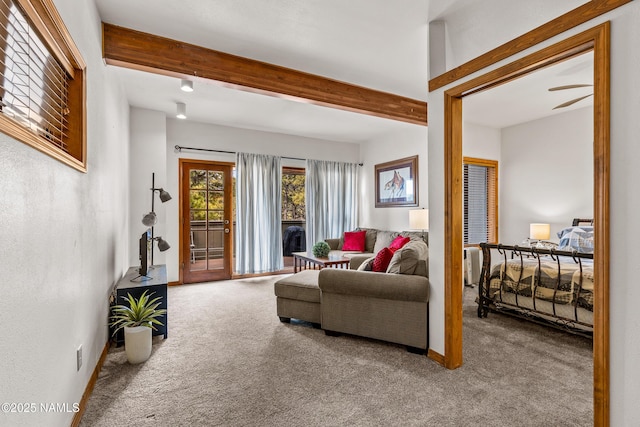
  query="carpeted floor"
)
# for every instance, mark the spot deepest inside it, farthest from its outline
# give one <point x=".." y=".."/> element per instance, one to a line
<point x="228" y="361"/>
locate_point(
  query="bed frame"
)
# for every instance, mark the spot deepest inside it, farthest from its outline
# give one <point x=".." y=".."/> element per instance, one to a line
<point x="554" y="314"/>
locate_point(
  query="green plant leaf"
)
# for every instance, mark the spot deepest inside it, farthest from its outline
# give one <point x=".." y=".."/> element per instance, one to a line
<point x="138" y="312"/>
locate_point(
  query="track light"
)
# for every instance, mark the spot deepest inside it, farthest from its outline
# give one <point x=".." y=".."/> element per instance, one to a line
<point x="186" y="85"/>
<point x="181" y="110"/>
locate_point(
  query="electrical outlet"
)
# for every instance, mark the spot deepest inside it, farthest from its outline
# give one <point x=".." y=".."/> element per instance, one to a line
<point x="79" y="358"/>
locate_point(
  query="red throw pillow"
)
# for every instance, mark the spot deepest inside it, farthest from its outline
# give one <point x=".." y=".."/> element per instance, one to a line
<point x="354" y="240"/>
<point x="382" y="260"/>
<point x="399" y="242"/>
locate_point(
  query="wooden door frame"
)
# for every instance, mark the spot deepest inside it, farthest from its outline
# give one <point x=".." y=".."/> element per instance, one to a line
<point x="181" y="214"/>
<point x="596" y="39"/>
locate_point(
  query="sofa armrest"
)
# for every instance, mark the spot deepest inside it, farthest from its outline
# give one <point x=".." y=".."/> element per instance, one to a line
<point x="333" y="243"/>
<point x="401" y="287"/>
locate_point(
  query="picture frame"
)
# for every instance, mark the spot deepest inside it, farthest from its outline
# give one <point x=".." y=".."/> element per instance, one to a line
<point x="397" y="183"/>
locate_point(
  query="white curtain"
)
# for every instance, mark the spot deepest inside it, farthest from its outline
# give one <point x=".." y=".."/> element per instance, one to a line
<point x="331" y="199"/>
<point x="259" y="213"/>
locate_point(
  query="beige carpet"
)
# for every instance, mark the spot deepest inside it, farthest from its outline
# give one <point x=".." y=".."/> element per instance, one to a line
<point x="228" y="361"/>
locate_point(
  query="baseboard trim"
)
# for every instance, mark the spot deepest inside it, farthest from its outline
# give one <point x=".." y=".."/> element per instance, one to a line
<point x="435" y="356"/>
<point x="89" y="389"/>
<point x="176" y="283"/>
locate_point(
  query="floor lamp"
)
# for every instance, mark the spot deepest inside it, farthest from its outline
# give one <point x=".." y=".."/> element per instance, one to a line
<point x="150" y="219"/>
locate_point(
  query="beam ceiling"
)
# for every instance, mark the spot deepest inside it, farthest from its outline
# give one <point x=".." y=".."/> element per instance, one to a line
<point x="147" y="52"/>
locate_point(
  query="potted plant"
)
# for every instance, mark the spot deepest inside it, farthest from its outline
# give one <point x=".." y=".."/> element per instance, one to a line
<point x="321" y="249"/>
<point x="137" y="319"/>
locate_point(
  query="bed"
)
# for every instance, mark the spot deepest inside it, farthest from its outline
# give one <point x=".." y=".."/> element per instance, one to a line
<point x="542" y="282"/>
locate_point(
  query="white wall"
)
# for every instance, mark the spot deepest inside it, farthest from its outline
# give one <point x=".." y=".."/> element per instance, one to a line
<point x="546" y="174"/>
<point x="481" y="142"/>
<point x="624" y="199"/>
<point x="63" y="245"/>
<point x="153" y="138"/>
<point x="410" y="142"/>
<point x="148" y="135"/>
<point x="200" y="135"/>
<point x="468" y="36"/>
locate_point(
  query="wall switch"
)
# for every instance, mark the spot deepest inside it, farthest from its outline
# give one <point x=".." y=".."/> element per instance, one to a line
<point x="79" y="358"/>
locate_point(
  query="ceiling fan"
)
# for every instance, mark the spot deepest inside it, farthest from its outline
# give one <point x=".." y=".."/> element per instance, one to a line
<point x="573" y="101"/>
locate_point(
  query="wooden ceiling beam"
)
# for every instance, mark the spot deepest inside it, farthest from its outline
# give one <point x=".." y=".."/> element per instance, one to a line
<point x="147" y="52"/>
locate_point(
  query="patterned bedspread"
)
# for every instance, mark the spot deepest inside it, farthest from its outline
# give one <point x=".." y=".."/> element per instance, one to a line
<point x="524" y="280"/>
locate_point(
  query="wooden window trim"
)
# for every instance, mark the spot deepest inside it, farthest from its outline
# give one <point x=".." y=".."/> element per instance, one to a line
<point x="493" y="164"/>
<point x="47" y="21"/>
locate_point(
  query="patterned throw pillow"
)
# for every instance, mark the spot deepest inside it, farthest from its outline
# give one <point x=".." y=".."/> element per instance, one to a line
<point x="354" y="240"/>
<point x="382" y="260"/>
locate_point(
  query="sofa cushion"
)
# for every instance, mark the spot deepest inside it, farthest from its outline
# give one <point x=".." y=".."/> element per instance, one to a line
<point x="370" y="238"/>
<point x="302" y="286"/>
<point x="354" y="241"/>
<point x="383" y="240"/>
<point x="406" y="260"/>
<point x="382" y="260"/>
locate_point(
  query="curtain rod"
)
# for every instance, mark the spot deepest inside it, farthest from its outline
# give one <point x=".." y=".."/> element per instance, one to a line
<point x="179" y="148"/>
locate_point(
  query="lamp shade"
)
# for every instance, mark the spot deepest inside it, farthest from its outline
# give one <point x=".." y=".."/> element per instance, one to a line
<point x="539" y="231"/>
<point x="162" y="244"/>
<point x="149" y="219"/>
<point x="419" y="219"/>
<point x="164" y="196"/>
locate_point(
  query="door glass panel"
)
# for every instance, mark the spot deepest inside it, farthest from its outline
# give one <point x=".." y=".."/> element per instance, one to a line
<point x="198" y="250"/>
<point x="216" y="180"/>
<point x="197" y="199"/>
<point x="216" y="216"/>
<point x="206" y="205"/>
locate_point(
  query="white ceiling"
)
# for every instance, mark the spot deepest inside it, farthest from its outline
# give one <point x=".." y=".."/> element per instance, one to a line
<point x="377" y="44"/>
<point x="528" y="98"/>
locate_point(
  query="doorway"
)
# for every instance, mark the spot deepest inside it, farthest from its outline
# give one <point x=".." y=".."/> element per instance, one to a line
<point x="206" y="212"/>
<point x="596" y="40"/>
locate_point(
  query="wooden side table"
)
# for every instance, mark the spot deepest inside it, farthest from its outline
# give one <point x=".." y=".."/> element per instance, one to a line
<point x="134" y="284"/>
<point x="308" y="260"/>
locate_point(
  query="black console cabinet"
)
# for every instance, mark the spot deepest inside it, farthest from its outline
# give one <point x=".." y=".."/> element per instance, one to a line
<point x="134" y="284"/>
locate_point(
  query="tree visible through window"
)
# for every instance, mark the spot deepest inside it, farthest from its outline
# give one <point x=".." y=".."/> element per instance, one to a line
<point x="293" y="202"/>
<point x="480" y="201"/>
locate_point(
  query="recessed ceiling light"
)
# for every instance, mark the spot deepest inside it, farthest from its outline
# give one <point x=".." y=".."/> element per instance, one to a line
<point x="181" y="110"/>
<point x="186" y="85"/>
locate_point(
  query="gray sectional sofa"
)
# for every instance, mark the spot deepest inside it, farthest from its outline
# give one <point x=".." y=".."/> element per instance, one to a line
<point x="390" y="306"/>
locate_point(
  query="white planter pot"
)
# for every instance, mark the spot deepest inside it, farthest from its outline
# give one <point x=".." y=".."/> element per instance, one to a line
<point x="137" y="343"/>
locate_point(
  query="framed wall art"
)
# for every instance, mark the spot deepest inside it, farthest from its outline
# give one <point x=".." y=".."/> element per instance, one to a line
<point x="397" y="183"/>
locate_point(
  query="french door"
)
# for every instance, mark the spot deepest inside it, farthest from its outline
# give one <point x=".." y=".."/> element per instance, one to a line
<point x="206" y="206"/>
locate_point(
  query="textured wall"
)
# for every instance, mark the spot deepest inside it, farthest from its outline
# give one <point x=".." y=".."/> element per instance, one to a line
<point x="62" y="245"/>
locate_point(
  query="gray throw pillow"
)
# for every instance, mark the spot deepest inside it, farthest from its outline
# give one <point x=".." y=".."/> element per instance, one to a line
<point x="405" y="260"/>
<point x="383" y="240"/>
<point x="366" y="264"/>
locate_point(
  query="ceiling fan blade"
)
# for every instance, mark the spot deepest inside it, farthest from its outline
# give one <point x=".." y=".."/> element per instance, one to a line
<point x="573" y="101"/>
<point x="551" y="89"/>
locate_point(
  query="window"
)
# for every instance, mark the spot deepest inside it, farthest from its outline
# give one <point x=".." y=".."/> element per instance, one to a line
<point x="480" y="201"/>
<point x="41" y="81"/>
<point x="293" y="205"/>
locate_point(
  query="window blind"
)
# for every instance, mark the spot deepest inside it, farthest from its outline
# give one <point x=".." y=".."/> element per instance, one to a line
<point x="480" y="207"/>
<point x="33" y="84"/>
